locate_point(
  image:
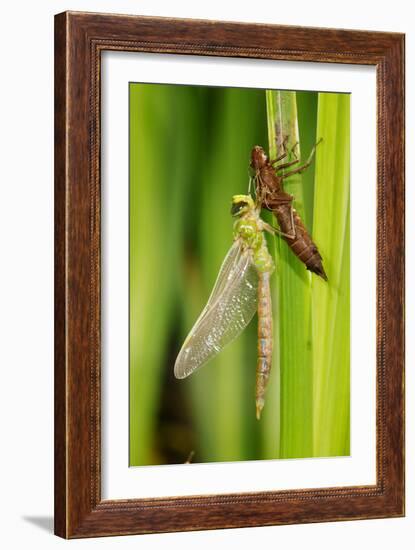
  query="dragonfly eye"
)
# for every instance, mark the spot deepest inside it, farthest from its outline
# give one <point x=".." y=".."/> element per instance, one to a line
<point x="237" y="207"/>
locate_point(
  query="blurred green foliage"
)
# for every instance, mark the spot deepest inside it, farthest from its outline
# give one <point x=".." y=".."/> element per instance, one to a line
<point x="189" y="153"/>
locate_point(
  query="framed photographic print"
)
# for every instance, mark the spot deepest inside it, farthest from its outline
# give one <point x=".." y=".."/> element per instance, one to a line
<point x="227" y="196"/>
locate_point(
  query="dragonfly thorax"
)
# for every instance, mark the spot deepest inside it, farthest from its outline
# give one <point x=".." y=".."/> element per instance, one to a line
<point x="249" y="231"/>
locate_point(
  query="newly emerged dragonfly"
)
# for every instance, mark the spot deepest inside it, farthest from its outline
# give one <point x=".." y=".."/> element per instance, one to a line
<point x="241" y="289"/>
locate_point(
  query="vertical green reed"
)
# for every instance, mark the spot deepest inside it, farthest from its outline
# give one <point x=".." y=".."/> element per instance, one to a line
<point x="292" y="298"/>
<point x="159" y="180"/>
<point x="331" y="302"/>
<point x="146" y="340"/>
<point x="307" y="126"/>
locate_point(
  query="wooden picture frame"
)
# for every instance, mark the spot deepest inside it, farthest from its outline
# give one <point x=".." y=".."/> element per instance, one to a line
<point x="79" y="40"/>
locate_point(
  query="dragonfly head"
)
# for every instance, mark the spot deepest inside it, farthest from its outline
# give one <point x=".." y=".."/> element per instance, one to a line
<point x="258" y="158"/>
<point x="241" y="204"/>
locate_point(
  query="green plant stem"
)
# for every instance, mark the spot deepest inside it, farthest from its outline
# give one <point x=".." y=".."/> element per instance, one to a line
<point x="331" y="302"/>
<point x="291" y="293"/>
<point x="158" y="190"/>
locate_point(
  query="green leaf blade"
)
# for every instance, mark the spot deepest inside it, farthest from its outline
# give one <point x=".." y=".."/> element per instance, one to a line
<point x="331" y="302"/>
<point x="291" y="293"/>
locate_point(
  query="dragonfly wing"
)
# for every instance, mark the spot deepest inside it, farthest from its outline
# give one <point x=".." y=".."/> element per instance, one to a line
<point x="230" y="308"/>
<point x="226" y="272"/>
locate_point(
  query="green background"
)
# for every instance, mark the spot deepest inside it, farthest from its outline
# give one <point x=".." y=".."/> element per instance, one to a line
<point x="189" y="153"/>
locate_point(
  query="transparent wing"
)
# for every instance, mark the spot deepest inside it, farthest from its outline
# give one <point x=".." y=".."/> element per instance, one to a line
<point x="230" y="308"/>
<point x="226" y="272"/>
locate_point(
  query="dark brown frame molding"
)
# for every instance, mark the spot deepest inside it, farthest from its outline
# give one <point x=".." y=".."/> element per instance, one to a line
<point x="79" y="40"/>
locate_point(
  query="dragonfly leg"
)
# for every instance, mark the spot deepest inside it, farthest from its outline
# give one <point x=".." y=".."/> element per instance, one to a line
<point x="287" y="164"/>
<point x="304" y="166"/>
<point x="275" y="230"/>
<point x="298" y="170"/>
<point x="284" y="148"/>
<point x="292" y="152"/>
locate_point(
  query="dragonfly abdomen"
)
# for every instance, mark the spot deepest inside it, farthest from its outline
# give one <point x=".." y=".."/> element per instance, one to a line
<point x="264" y="339"/>
<point x="301" y="244"/>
